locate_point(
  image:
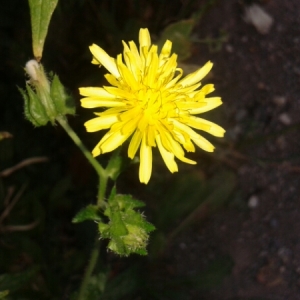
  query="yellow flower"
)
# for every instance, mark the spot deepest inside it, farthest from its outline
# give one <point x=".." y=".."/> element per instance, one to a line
<point x="150" y="104"/>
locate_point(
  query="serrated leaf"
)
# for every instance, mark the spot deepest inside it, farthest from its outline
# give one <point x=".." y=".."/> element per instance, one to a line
<point x="127" y="202"/>
<point x="90" y="212"/>
<point x="40" y="12"/>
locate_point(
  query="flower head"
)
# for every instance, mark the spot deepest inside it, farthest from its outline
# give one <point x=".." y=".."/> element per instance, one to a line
<point x="149" y="103"/>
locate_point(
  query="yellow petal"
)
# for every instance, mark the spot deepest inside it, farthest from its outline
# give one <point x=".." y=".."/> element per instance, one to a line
<point x="134" y="143"/>
<point x="91" y="103"/>
<point x="112" y="80"/>
<point x="209" y="104"/>
<point x="134" y="51"/>
<point x="146" y="162"/>
<point x="95" y="92"/>
<point x="113" y="141"/>
<point x="207" y="89"/>
<point x="167" y="156"/>
<point x="100" y="123"/>
<point x="203" y="143"/>
<point x="144" y="37"/>
<point x="151" y="136"/>
<point x="165" y="52"/>
<point x="96" y="151"/>
<point x="105" y="60"/>
<point x="197" y="75"/>
<point x="205" y="125"/>
<point x="118" y="92"/>
<point x="126" y="74"/>
<point x="196" y="138"/>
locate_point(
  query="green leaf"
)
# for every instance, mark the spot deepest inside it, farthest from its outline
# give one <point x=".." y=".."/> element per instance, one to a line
<point x="40" y="12"/>
<point x="63" y="102"/>
<point x="90" y="212"/>
<point x="114" y="165"/>
<point x="13" y="282"/>
<point x="191" y="198"/>
<point x="126" y="202"/>
<point x="179" y="34"/>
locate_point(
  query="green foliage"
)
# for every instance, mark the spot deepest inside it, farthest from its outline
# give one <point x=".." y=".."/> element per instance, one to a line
<point x="116" y="164"/>
<point x="33" y="108"/>
<point x="52" y="195"/>
<point x="127" y="229"/>
<point x="41" y="12"/>
<point x="91" y="212"/>
<point x="44" y="102"/>
<point x="179" y="34"/>
<point x="63" y="102"/>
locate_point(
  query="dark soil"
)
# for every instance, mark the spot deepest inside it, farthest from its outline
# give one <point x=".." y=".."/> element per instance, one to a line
<point x="258" y="77"/>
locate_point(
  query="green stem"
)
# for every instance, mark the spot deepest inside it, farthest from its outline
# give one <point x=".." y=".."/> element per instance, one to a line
<point x="102" y="191"/>
<point x="89" y="270"/>
<point x="64" y="124"/>
<point x="103" y="177"/>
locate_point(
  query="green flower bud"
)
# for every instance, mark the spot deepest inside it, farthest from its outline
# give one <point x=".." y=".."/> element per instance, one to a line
<point x="44" y="102"/>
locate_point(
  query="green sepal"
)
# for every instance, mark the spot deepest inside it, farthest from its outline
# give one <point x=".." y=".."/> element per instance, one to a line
<point x="47" y="103"/>
<point x="33" y="109"/>
<point x="90" y="212"/>
<point x="40" y="12"/>
<point x="63" y="102"/>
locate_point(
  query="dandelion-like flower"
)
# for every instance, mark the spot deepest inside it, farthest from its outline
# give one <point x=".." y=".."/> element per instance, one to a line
<point x="150" y="104"/>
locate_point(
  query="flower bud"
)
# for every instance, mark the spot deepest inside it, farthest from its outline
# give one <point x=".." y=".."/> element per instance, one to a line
<point x="44" y="102"/>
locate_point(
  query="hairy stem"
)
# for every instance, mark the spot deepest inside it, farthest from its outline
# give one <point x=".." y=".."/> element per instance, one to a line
<point x="64" y="124"/>
<point x="103" y="177"/>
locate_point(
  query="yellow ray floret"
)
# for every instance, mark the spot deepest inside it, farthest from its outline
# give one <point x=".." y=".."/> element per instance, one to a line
<point x="151" y="104"/>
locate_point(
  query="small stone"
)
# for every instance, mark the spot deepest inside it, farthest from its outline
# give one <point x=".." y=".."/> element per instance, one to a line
<point x="285" y="119"/>
<point x="259" y="18"/>
<point x="279" y="100"/>
<point x="253" y="201"/>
